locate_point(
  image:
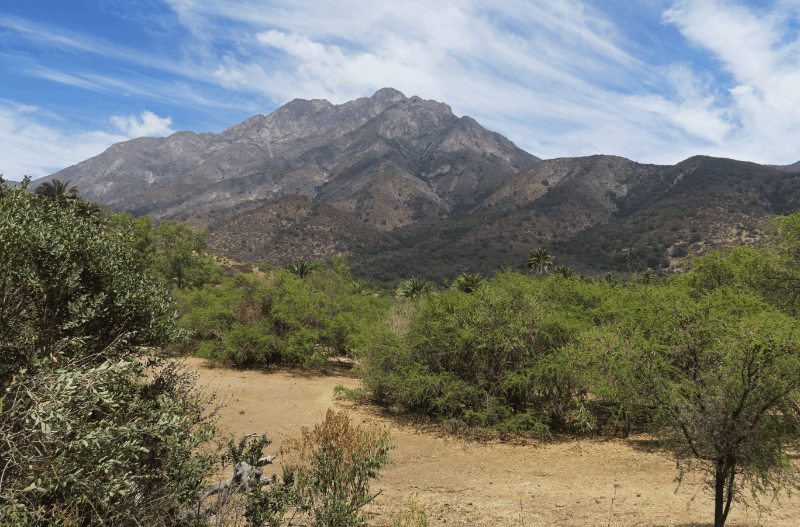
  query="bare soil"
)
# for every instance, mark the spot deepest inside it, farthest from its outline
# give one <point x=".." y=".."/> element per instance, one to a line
<point x="463" y="481"/>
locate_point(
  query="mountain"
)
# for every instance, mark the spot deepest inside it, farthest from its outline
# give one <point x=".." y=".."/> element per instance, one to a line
<point x="794" y="167"/>
<point x="388" y="159"/>
<point x="596" y="214"/>
<point x="401" y="186"/>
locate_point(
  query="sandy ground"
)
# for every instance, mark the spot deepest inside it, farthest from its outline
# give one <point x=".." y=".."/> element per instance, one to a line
<point x="587" y="482"/>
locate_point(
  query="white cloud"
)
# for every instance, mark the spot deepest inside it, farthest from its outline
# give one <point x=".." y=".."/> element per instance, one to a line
<point x="32" y="146"/>
<point x="146" y="124"/>
<point x="38" y="143"/>
<point x="556" y="77"/>
<point x="761" y="53"/>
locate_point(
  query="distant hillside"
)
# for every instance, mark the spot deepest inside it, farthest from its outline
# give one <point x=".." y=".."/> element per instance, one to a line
<point x="595" y="214"/>
<point x="794" y="167"/>
<point x="654" y="218"/>
<point x="294" y="228"/>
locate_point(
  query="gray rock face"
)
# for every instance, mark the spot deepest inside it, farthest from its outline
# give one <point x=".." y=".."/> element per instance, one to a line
<point x="388" y="159"/>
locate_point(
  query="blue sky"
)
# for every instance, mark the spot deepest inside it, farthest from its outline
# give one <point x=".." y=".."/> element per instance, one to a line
<point x="654" y="81"/>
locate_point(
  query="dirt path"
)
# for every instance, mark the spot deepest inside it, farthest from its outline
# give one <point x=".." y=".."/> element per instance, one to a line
<point x="463" y="482"/>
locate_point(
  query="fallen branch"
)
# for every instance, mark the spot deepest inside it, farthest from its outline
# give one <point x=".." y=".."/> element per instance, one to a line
<point x="243" y="473"/>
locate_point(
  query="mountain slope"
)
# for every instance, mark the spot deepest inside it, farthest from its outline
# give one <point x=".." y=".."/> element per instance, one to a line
<point x="595" y="214"/>
<point x="387" y="159"/>
<point x="794" y="167"/>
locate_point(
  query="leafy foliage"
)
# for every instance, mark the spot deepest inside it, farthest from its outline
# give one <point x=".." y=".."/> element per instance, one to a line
<point x="58" y="191"/>
<point x="564" y="272"/>
<point x="468" y="282"/>
<point x="281" y="320"/>
<point x="539" y="260"/>
<point x="415" y="287"/>
<point x="93" y="442"/>
<point x="299" y="269"/>
<point x="722" y="373"/>
<point x="62" y="276"/>
<point x="485" y="357"/>
<point x="180" y="255"/>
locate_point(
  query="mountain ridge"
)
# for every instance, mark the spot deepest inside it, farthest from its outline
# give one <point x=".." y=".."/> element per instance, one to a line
<point x="388" y="140"/>
<point x="402" y="183"/>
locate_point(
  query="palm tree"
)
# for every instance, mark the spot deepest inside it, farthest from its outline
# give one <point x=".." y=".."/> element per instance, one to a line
<point x="564" y="272"/>
<point x="415" y="287"/>
<point x="468" y="283"/>
<point x="58" y="190"/>
<point x="360" y="286"/>
<point x="89" y="210"/>
<point x="539" y="260"/>
<point x="299" y="269"/>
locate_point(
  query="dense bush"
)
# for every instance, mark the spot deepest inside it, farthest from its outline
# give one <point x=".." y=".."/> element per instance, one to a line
<point x="283" y="319"/>
<point x="487" y="357"/>
<point x="88" y="434"/>
<point x="62" y="276"/>
<point x="87" y="442"/>
<point x="719" y="375"/>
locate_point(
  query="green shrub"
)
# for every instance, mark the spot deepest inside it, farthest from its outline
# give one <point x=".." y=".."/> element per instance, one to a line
<point x="284" y="319"/>
<point x="62" y="276"/>
<point x="87" y="442"/>
<point x="485" y="357"/>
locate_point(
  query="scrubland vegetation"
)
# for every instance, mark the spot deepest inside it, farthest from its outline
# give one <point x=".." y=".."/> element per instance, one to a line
<point x="92" y="432"/>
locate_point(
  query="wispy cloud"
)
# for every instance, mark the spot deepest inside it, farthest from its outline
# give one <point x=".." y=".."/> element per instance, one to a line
<point x="760" y="49"/>
<point x="34" y="145"/>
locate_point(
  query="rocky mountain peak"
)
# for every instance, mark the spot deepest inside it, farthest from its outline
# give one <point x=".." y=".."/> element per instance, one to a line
<point x="389" y="159"/>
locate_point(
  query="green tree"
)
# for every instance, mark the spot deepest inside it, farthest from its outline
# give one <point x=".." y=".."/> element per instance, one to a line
<point x="59" y="191"/>
<point x="180" y="256"/>
<point x="89" y="210"/>
<point x="299" y="269"/>
<point x="539" y="260"/>
<point x="722" y="373"/>
<point x="415" y="287"/>
<point x="468" y="283"/>
<point x="564" y="272"/>
<point x="141" y="232"/>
